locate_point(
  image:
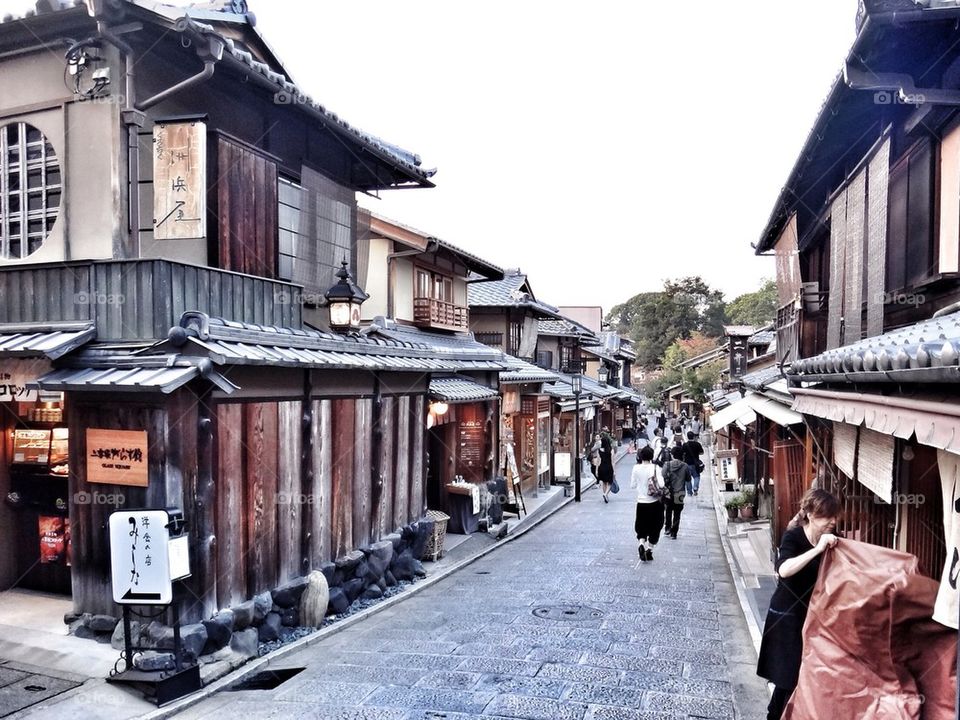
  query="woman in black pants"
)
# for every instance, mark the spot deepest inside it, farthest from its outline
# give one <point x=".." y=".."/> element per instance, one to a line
<point x="798" y="562"/>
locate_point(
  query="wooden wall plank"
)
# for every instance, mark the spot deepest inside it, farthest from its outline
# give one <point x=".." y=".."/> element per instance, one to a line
<point x="418" y="425"/>
<point x="385" y="523"/>
<point x="231" y="545"/>
<point x="401" y="492"/>
<point x="362" y="479"/>
<point x="322" y="515"/>
<point x="344" y="417"/>
<point x="290" y="492"/>
<point x="261" y="480"/>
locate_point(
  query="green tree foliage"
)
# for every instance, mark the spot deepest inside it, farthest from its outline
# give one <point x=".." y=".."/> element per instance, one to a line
<point x="655" y="319"/>
<point x="757" y="308"/>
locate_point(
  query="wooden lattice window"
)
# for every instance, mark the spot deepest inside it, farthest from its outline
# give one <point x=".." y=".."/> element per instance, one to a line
<point x="30" y="190"/>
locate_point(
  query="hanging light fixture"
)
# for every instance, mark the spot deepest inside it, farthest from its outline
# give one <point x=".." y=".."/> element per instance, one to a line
<point x="439" y="408"/>
<point x="344" y="300"/>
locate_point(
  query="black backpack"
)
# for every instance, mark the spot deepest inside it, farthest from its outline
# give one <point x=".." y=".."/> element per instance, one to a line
<point x="663" y="457"/>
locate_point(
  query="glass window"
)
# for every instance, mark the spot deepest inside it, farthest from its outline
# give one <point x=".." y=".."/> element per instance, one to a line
<point x="30" y="191"/>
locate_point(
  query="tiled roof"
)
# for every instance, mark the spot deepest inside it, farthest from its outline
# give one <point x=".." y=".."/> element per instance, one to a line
<point x="599" y="351"/>
<point x="233" y="343"/>
<point x="413" y="336"/>
<point x="519" y="371"/>
<point x="565" y="327"/>
<point x="460" y="390"/>
<point x="764" y="337"/>
<point x="761" y="378"/>
<point x="926" y="352"/>
<point x="739" y="330"/>
<point x="51" y="340"/>
<point x="507" y="293"/>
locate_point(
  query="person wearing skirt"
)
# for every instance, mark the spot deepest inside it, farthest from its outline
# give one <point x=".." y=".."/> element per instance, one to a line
<point x="649" y="520"/>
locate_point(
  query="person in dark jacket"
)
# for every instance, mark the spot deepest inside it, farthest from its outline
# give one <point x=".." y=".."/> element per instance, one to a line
<point x="692" y="450"/>
<point x="676" y="474"/>
<point x="605" y="471"/>
<point x="798" y="563"/>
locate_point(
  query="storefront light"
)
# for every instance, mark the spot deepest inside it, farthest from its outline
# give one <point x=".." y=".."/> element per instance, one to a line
<point x="439" y="408"/>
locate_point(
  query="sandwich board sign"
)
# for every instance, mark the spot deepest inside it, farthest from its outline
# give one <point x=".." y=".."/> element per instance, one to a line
<point x="139" y="557"/>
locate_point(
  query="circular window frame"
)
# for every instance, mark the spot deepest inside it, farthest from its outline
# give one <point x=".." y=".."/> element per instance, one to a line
<point x="31" y="189"/>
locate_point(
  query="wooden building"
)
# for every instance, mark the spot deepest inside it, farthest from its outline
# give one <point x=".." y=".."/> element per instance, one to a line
<point x="166" y="238"/>
<point x="867" y="241"/>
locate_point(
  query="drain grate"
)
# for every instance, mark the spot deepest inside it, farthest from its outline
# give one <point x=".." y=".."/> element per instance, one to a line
<point x="267" y="679"/>
<point x="567" y="612"/>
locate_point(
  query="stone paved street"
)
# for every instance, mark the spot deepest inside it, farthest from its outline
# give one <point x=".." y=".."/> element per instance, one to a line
<point x="668" y="639"/>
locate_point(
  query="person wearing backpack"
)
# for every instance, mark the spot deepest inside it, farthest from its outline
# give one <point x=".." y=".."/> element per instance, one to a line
<point x="692" y="450"/>
<point x="648" y="523"/>
<point x="676" y="474"/>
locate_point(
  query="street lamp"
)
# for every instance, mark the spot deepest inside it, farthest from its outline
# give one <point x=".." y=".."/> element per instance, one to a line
<point x="602" y="374"/>
<point x="344" y="300"/>
<point x="577" y="384"/>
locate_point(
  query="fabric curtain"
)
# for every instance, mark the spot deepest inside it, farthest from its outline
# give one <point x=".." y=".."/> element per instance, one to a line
<point x="948" y="599"/>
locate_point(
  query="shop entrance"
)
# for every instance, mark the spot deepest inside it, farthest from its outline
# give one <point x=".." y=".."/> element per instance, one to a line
<point x="438" y="449"/>
<point x="34" y="480"/>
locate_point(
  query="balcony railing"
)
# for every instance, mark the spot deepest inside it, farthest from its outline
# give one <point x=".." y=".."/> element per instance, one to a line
<point x="142" y="299"/>
<point x="430" y="313"/>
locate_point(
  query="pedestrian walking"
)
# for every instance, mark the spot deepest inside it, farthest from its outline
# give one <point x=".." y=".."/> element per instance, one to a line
<point x="798" y="562"/>
<point x="692" y="450"/>
<point x="675" y="476"/>
<point x="661" y="449"/>
<point x="696" y="426"/>
<point x="605" y="472"/>
<point x="662" y="422"/>
<point x="594" y="453"/>
<point x="648" y="523"/>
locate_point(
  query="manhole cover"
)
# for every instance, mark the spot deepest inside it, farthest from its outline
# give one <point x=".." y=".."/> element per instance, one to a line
<point x="567" y="612"/>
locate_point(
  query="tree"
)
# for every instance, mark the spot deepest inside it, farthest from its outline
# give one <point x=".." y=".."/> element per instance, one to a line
<point x="757" y="308"/>
<point x="655" y="319"/>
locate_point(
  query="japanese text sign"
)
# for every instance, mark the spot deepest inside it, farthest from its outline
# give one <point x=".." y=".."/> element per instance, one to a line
<point x="117" y="457"/>
<point x="179" y="180"/>
<point x="139" y="560"/>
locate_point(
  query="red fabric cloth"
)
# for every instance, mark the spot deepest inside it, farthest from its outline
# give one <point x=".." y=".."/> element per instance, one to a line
<point x="870" y="647"/>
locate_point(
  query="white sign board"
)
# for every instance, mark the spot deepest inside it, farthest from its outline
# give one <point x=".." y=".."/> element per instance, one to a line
<point x="561" y="465"/>
<point x="728" y="469"/>
<point x="139" y="557"/>
<point x="179" y="557"/>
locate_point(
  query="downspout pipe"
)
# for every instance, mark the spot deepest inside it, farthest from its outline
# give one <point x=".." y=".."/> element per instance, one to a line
<point x="210" y="51"/>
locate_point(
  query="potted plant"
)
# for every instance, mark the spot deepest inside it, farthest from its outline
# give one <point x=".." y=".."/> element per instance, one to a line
<point x="746" y="508"/>
<point x="733" y="506"/>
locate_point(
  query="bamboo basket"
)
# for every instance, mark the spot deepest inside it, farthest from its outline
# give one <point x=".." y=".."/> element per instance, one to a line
<point x="434" y="547"/>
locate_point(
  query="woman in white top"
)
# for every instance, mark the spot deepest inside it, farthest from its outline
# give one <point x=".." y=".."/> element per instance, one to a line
<point x="649" y="520"/>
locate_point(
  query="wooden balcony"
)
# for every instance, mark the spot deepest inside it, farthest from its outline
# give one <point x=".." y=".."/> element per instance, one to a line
<point x="440" y="315"/>
<point x="142" y="299"/>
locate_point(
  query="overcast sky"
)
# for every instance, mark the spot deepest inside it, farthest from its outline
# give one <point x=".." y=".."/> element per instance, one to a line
<point x="600" y="148"/>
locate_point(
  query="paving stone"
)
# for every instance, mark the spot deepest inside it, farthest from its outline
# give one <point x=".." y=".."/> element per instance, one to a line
<point x="606" y="712"/>
<point x="580" y="673"/>
<point x="529" y="708"/>
<point x="378" y="675"/>
<point x="681" y="686"/>
<point x="326" y="692"/>
<point x="555" y="655"/>
<point x="699" y="657"/>
<point x="606" y="695"/>
<point x="420" y="647"/>
<point x="511" y="685"/>
<point x="430" y="699"/>
<point x="691" y="705"/>
<point x="499" y="665"/>
<point x="449" y="680"/>
<point x="496" y="651"/>
<point x="633" y="662"/>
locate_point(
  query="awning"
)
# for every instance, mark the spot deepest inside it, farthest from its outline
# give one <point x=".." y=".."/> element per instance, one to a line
<point x="138" y="379"/>
<point x="460" y="390"/>
<point x="773" y="410"/>
<point x="934" y="422"/>
<point x="51" y="340"/>
<point x="740" y="412"/>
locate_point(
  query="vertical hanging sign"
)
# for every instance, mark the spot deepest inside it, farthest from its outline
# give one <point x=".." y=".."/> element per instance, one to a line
<point x="179" y="180"/>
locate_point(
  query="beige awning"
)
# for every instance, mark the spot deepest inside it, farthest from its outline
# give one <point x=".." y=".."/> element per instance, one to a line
<point x="934" y="422"/>
<point x="739" y="412"/>
<point x="778" y="412"/>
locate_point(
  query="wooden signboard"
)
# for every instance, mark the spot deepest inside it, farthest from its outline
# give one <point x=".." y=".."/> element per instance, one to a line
<point x="117" y="457"/>
<point x="471" y="443"/>
<point x="179" y="180"/>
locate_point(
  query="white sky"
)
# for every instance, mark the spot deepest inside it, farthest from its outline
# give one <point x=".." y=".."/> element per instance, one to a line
<point x="601" y="148"/>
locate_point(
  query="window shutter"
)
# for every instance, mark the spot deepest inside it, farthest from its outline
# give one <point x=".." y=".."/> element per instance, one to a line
<point x="853" y="259"/>
<point x="838" y="245"/>
<point x="879" y="177"/>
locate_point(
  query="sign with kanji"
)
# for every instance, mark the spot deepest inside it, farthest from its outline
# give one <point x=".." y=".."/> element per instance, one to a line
<point x="139" y="557"/>
<point x="16" y="374"/>
<point x="727" y="465"/>
<point x="117" y="457"/>
<point x="739" y="355"/>
<point x="179" y="180"/>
